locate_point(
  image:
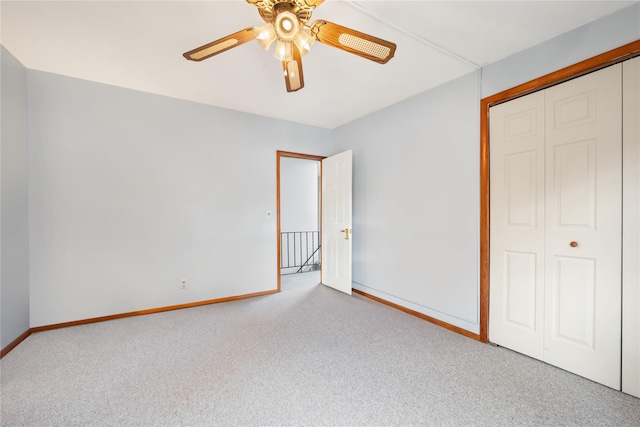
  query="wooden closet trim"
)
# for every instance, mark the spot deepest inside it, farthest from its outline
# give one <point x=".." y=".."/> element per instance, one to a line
<point x="595" y="63"/>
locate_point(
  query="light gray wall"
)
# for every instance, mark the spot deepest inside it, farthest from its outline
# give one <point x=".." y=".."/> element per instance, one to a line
<point x="415" y="202"/>
<point x="567" y="49"/>
<point x="132" y="192"/>
<point x="416" y="178"/>
<point x="299" y="194"/>
<point x="14" y="231"/>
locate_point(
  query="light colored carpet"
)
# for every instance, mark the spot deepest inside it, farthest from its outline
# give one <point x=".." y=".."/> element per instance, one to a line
<point x="295" y="281"/>
<point x="307" y="356"/>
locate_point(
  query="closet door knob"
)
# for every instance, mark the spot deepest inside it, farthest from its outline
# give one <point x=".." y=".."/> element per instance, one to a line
<point x="573" y="244"/>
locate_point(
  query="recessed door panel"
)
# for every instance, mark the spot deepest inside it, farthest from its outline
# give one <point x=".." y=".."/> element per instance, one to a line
<point x="520" y="289"/>
<point x="573" y="308"/>
<point x="520" y="188"/>
<point x="574" y="184"/>
<point x="574" y="110"/>
<point x="522" y="124"/>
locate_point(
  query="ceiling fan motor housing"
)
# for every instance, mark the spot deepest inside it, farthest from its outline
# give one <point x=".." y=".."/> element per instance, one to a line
<point x="270" y="9"/>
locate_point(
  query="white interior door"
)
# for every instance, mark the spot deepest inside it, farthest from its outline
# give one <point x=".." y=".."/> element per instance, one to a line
<point x="336" y="221"/>
<point x="583" y="239"/>
<point x="516" y="317"/>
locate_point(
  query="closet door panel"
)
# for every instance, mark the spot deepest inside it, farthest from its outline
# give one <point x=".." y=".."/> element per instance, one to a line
<point x="517" y="225"/>
<point x="583" y="232"/>
<point x="631" y="227"/>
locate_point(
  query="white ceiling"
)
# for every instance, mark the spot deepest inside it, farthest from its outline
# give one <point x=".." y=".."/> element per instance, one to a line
<point x="139" y="45"/>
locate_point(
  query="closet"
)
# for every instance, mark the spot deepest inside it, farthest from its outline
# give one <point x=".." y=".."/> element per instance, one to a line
<point x="561" y="223"/>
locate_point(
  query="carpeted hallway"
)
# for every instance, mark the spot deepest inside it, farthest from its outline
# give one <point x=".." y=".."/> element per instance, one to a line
<point x="306" y="356"/>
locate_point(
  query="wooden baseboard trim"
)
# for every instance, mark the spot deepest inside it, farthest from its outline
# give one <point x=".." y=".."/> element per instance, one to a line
<point x="419" y="315"/>
<point x="22" y="337"/>
<point x="149" y="311"/>
<point x="15" y="343"/>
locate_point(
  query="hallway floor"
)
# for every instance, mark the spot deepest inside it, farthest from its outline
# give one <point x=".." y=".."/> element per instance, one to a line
<point x="298" y="280"/>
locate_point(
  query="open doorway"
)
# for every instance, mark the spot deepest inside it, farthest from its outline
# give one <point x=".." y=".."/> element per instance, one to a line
<point x="298" y="217"/>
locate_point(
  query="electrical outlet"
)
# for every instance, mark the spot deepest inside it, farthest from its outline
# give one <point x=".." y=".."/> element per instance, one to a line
<point x="183" y="284"/>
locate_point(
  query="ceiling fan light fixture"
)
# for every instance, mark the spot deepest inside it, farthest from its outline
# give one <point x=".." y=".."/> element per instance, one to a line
<point x="287" y="26"/>
<point x="303" y="41"/>
<point x="265" y="35"/>
<point x="283" y="51"/>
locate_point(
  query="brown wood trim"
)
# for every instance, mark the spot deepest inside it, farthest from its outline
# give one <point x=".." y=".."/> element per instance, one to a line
<point x="484" y="222"/>
<point x="15" y="343"/>
<point x="278" y="228"/>
<point x="414" y="313"/>
<point x="279" y="155"/>
<point x="149" y="311"/>
<point x="299" y="155"/>
<point x="320" y="217"/>
<point x="595" y="63"/>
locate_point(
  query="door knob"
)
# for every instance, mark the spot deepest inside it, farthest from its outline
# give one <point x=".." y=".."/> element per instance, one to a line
<point x="346" y="232"/>
<point x="573" y="244"/>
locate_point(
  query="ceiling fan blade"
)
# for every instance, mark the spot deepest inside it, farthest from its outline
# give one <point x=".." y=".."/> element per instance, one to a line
<point x="221" y="45"/>
<point x="353" y="41"/>
<point x="293" y="76"/>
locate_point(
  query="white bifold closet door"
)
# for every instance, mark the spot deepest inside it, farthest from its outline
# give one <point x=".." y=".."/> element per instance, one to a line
<point x="631" y="228"/>
<point x="556" y="225"/>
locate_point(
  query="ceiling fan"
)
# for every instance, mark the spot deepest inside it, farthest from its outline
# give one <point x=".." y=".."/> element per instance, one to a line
<point x="286" y="25"/>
